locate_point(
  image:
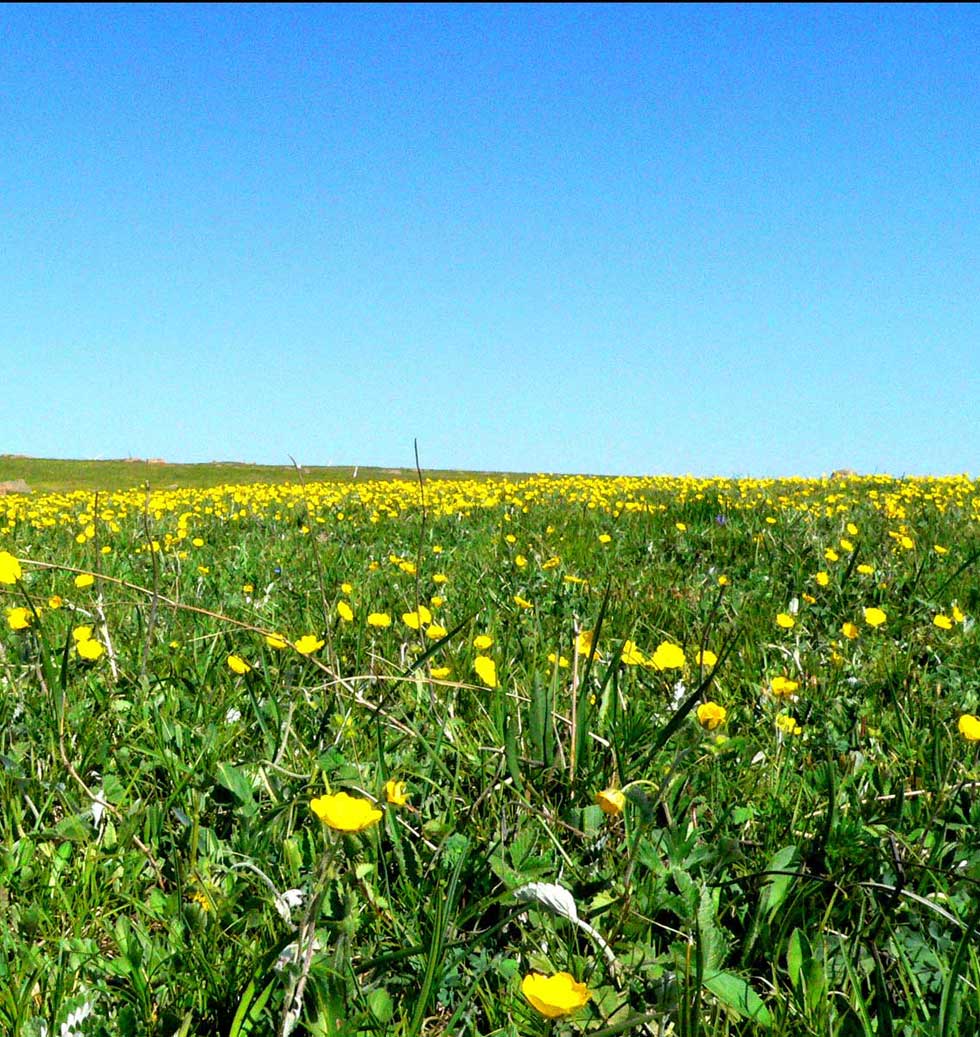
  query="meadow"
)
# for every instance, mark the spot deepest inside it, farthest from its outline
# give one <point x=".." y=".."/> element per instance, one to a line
<point x="537" y="756"/>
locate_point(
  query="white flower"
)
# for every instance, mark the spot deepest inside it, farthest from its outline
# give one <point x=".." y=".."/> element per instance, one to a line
<point x="287" y="902"/>
<point x="233" y="716"/>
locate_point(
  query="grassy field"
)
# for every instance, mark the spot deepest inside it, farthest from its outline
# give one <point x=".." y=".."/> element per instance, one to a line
<point x="494" y="756"/>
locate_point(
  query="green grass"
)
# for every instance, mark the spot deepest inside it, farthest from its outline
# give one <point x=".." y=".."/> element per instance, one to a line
<point x="755" y="883"/>
<point x="45" y="475"/>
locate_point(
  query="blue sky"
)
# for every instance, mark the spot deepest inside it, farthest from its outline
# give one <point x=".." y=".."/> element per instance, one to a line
<point x="625" y="240"/>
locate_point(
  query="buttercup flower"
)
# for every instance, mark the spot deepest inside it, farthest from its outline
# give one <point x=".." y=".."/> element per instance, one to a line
<point x="943" y="622"/>
<point x="238" y="665"/>
<point x="554" y="996"/>
<point x="850" y="631"/>
<point x="486" y="670"/>
<point x="345" y="813"/>
<point x="345" y="612"/>
<point x="89" y="650"/>
<point x="482" y="642"/>
<point x="668" y="657"/>
<point x="711" y="715"/>
<point x="785" y="620"/>
<point x="874" y="617"/>
<point x="611" y="801"/>
<point x="308" y="644"/>
<point x="10" y="570"/>
<point x="276" y="641"/>
<point x="379" y="619"/>
<point x="969" y="726"/>
<point x="783" y="687"/>
<point x="84" y="580"/>
<point x="395" y="792"/>
<point x="631" y="655"/>
<point x="19" y="618"/>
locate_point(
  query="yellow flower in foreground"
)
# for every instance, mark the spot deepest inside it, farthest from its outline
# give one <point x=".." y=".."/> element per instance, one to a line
<point x="874" y="617"/>
<point x="345" y="813"/>
<point x="395" y="792"/>
<point x="522" y="602"/>
<point x="707" y="658"/>
<point x="969" y="726"/>
<point x="276" y="641"/>
<point x="556" y="995"/>
<point x="89" y="650"/>
<point x="345" y="612"/>
<point x="783" y="687"/>
<point x="958" y="614"/>
<point x="943" y="622"/>
<point x="435" y="630"/>
<point x="822" y="578"/>
<point x="482" y="642"/>
<point x="84" y="580"/>
<point x="831" y="555"/>
<point x="19" y="618"/>
<point x="612" y="801"/>
<point x="584" y="644"/>
<point x="866" y="570"/>
<point x="81" y="633"/>
<point x="850" y="631"/>
<point x="379" y="619"/>
<point x="441" y="672"/>
<point x="711" y="715"/>
<point x="10" y="570"/>
<point x="604" y="538"/>
<point x="558" y="660"/>
<point x="785" y="620"/>
<point x="238" y="665"/>
<point x="308" y="644"/>
<point x="486" y="670"/>
<point x="668" y="657"/>
<point x="55" y="601"/>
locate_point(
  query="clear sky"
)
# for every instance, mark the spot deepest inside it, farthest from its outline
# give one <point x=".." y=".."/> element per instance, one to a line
<point x="626" y="240"/>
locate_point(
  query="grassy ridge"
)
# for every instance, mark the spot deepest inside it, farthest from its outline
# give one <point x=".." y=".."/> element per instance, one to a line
<point x="59" y="476"/>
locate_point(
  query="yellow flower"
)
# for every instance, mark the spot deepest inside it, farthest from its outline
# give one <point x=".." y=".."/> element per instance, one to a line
<point x="395" y="792"/>
<point x="441" y="672"/>
<point x="81" y="633"/>
<point x="866" y="570"/>
<point x="584" y="644"/>
<point x="711" y="715"/>
<point x="611" y="801"/>
<point x="554" y="996"/>
<point x="907" y="542"/>
<point x="958" y="614"/>
<point x="723" y="581"/>
<point x="440" y="578"/>
<point x="558" y="660"/>
<point x="850" y="631"/>
<point x="940" y="550"/>
<point x="276" y="641"/>
<point x="523" y="602"/>
<point x="707" y="658"/>
<point x="969" y="726"/>
<point x="379" y="619"/>
<point x="846" y="545"/>
<point x="308" y="644"/>
<point x="486" y="670"/>
<point x="852" y="529"/>
<point x="55" y="602"/>
<point x="783" y="687"/>
<point x="345" y="612"/>
<point x="520" y="561"/>
<point x="551" y="563"/>
<point x="785" y="620"/>
<point x="482" y="642"/>
<point x="943" y="622"/>
<point x="411" y="619"/>
<point x="89" y="650"/>
<point x="345" y="813"/>
<point x="680" y="527"/>
<point x="10" y="570"/>
<point x="604" y="538"/>
<point x="19" y="618"/>
<point x="632" y="656"/>
<point x="668" y="657"/>
<point x="831" y="555"/>
<point x="874" y="617"/>
<point x="822" y="578"/>
<point x="238" y="665"/>
<point x="84" y="580"/>
<point x="407" y="567"/>
<point x="347" y="588"/>
<point x="788" y="725"/>
<point x="434" y="631"/>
